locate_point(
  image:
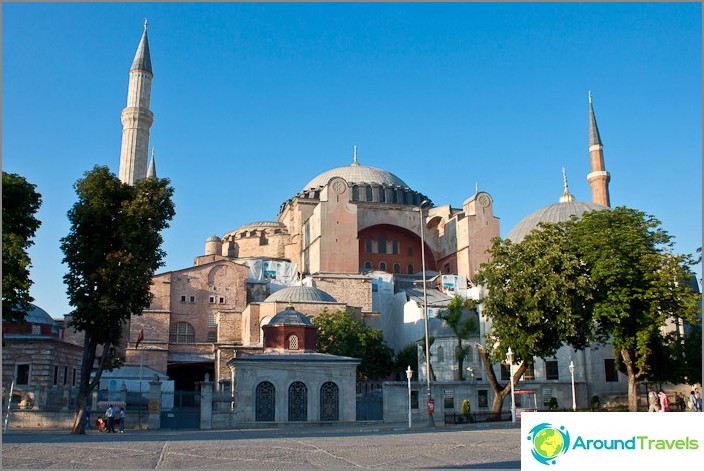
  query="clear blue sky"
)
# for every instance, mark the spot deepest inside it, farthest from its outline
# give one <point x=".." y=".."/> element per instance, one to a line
<point x="251" y="101"/>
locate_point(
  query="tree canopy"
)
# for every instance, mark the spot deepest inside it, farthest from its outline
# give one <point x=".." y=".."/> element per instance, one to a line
<point x="340" y="334"/>
<point x="20" y="203"/>
<point x="112" y="251"/>
<point x="458" y="318"/>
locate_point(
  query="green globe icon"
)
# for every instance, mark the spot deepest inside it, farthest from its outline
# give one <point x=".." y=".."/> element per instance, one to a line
<point x="548" y="443"/>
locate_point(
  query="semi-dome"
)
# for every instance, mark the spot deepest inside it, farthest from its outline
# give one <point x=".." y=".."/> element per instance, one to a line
<point x="558" y="212"/>
<point x="357" y="174"/>
<point x="290" y="316"/>
<point x="300" y="294"/>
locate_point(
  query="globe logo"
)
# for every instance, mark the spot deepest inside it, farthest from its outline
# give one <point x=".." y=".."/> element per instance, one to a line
<point x="548" y="442"/>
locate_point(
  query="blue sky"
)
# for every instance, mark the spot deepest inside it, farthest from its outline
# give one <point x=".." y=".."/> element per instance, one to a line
<point x="251" y="101"/>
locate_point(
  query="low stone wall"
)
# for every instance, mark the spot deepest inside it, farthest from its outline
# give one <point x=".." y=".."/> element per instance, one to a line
<point x="39" y="419"/>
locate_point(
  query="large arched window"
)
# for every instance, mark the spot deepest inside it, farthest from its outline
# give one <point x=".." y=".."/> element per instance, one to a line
<point x="297" y="402"/>
<point x="329" y="401"/>
<point x="182" y="332"/>
<point x="265" y="402"/>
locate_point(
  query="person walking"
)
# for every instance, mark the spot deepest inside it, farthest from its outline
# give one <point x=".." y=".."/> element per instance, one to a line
<point x="664" y="401"/>
<point x="110" y="415"/>
<point x="88" y="425"/>
<point x="697" y="400"/>
<point x="679" y="400"/>
<point x="653" y="400"/>
<point x="122" y="416"/>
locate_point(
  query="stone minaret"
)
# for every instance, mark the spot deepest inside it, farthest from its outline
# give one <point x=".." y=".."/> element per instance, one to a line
<point x="136" y="117"/>
<point x="598" y="178"/>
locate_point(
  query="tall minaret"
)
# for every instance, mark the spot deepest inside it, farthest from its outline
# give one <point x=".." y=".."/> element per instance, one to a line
<point x="136" y="117"/>
<point x="598" y="178"/>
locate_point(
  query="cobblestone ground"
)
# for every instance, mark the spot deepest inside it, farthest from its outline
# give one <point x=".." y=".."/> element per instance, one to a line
<point x="314" y="448"/>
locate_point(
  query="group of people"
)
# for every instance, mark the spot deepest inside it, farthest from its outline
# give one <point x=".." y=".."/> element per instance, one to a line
<point x="112" y="418"/>
<point x="659" y="402"/>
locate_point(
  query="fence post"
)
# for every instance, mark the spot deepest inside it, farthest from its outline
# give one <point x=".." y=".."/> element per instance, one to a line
<point x="154" y="420"/>
<point x="206" y="403"/>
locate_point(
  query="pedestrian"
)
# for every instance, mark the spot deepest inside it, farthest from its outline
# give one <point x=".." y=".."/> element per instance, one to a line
<point x="679" y="400"/>
<point x="697" y="400"/>
<point x="664" y="401"/>
<point x="122" y="416"/>
<point x="653" y="400"/>
<point x="110" y="415"/>
<point x="88" y="425"/>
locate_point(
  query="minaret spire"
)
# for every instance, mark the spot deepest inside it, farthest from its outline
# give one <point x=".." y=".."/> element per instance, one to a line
<point x="137" y="119"/>
<point x="152" y="166"/>
<point x="566" y="195"/>
<point x="354" y="158"/>
<point x="598" y="178"/>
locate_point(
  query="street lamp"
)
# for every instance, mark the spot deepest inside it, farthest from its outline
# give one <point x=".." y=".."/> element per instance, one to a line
<point x="421" y="211"/>
<point x="510" y="356"/>
<point x="470" y="371"/>
<point x="574" y="396"/>
<point x="409" y="375"/>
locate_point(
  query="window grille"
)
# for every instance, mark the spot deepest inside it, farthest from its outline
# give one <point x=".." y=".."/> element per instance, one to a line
<point x="293" y="342"/>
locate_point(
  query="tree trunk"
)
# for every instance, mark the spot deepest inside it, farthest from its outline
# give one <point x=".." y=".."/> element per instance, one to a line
<point x="632" y="381"/>
<point x="459" y="355"/>
<point x="86" y="386"/>
<point x="500" y="392"/>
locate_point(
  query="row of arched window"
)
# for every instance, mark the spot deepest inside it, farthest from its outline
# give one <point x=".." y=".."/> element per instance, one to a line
<point x="380" y="194"/>
<point x="265" y="402"/>
<point x="396" y="268"/>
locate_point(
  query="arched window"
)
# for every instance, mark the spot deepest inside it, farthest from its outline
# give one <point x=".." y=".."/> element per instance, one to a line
<point x="355" y="193"/>
<point x="265" y="402"/>
<point x="382" y="195"/>
<point x="397" y="268"/>
<point x="410" y="269"/>
<point x="182" y="332"/>
<point x="367" y="264"/>
<point x="293" y="342"/>
<point x="441" y="354"/>
<point x="382" y="266"/>
<point x="329" y="401"/>
<point x="368" y="190"/>
<point x="297" y="402"/>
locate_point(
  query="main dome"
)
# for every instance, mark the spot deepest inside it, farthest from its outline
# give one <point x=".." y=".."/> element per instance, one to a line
<point x="557" y="212"/>
<point x="357" y="174"/>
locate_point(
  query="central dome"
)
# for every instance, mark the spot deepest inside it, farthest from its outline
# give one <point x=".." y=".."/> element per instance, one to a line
<point x="357" y="174"/>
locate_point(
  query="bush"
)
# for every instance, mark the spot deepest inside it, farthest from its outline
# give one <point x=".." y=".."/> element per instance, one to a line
<point x="465" y="407"/>
<point x="552" y="405"/>
<point x="596" y="402"/>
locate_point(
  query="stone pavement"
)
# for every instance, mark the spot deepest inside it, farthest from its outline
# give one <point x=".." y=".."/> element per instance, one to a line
<point x="339" y="446"/>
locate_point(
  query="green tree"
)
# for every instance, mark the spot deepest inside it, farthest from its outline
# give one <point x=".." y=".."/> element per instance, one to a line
<point x="20" y="202"/>
<point x="458" y="315"/>
<point x="340" y="334"/>
<point x="112" y="250"/>
<point x="637" y="284"/>
<point x="407" y="356"/>
<point x="538" y="300"/>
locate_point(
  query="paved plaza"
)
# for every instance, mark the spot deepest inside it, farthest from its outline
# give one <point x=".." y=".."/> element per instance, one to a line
<point x="305" y="447"/>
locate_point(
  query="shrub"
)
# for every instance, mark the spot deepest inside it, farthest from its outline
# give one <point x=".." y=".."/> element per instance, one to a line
<point x="596" y="402"/>
<point x="552" y="405"/>
<point x="465" y="407"/>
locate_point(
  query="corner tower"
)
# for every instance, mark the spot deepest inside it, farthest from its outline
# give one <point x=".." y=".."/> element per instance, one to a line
<point x="136" y="117"/>
<point x="598" y="178"/>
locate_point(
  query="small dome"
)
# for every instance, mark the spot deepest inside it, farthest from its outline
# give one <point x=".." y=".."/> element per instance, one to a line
<point x="300" y="294"/>
<point x="213" y="238"/>
<point x="254" y="225"/>
<point x="290" y="316"/>
<point x="37" y="315"/>
<point x="558" y="212"/>
<point x="357" y="174"/>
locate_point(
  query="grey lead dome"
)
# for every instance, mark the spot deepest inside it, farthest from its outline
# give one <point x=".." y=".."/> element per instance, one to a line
<point x="357" y="174"/>
<point x="557" y="212"/>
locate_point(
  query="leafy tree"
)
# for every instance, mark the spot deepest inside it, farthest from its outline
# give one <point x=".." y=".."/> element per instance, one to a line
<point x="638" y="284"/>
<point x="340" y="334"/>
<point x="112" y="251"/>
<point x="462" y="325"/>
<point x="538" y="299"/>
<point x="407" y="356"/>
<point x="20" y="202"/>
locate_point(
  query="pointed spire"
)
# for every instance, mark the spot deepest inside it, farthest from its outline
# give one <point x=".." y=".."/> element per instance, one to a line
<point x="566" y="195"/>
<point x="594" y="138"/>
<point x="142" y="59"/>
<point x="354" y="159"/>
<point x="152" y="166"/>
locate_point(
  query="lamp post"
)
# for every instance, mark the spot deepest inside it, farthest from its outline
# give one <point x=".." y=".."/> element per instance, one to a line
<point x="574" y="396"/>
<point x="421" y="211"/>
<point x="409" y="375"/>
<point x="510" y="357"/>
<point x="470" y="371"/>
